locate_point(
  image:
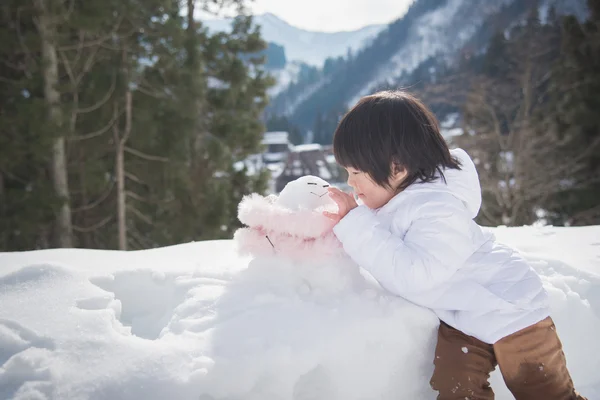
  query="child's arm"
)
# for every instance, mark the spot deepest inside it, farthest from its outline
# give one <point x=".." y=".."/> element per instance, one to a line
<point x="436" y="245"/>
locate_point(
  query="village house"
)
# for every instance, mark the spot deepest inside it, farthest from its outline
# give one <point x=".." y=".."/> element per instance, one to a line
<point x="306" y="159"/>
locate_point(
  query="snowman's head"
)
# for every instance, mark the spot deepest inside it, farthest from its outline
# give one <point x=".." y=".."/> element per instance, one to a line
<point x="308" y="193"/>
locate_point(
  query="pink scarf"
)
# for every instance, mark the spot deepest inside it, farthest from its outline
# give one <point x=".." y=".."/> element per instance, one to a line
<point x="274" y="230"/>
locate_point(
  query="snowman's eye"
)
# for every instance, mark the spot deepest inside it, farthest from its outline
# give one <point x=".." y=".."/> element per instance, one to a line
<point x="325" y="185"/>
<point x="311" y="183"/>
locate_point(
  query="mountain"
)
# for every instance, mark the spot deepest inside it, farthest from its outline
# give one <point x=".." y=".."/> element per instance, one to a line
<point x="302" y="45"/>
<point x="432" y="36"/>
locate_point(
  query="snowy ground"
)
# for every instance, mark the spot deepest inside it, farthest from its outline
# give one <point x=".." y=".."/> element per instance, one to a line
<point x="197" y="322"/>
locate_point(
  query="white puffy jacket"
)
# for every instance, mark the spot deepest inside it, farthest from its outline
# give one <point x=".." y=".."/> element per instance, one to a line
<point x="423" y="245"/>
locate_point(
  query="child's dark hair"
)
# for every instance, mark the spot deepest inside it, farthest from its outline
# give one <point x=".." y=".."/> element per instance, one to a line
<point x="392" y="128"/>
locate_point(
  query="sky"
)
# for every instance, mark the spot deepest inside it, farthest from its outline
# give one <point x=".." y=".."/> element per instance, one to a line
<point x="332" y="15"/>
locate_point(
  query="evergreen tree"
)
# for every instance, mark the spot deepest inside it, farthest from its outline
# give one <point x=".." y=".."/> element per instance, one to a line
<point x="153" y="114"/>
<point x="319" y="134"/>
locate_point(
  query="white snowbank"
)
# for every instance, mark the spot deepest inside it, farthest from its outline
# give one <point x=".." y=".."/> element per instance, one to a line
<point x="196" y="321"/>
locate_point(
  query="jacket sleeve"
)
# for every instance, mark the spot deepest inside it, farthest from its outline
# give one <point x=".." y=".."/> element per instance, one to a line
<point x="436" y="245"/>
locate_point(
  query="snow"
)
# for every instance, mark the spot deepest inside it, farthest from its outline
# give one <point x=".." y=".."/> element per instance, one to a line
<point x="307" y="192"/>
<point x="451" y="120"/>
<point x="441" y="31"/>
<point x="275" y="157"/>
<point x="324" y="171"/>
<point x="294" y="103"/>
<point x="284" y="77"/>
<point x="216" y="83"/>
<point x="275" y="137"/>
<point x="449" y="126"/>
<point x="197" y="321"/>
<point x="307" y="147"/>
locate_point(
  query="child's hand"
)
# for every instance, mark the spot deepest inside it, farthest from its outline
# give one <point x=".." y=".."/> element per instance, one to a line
<point x="344" y="201"/>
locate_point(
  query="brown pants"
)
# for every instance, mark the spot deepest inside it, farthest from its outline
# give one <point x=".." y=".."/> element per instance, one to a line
<point x="531" y="361"/>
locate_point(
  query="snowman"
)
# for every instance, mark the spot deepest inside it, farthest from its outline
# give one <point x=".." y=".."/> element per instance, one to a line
<point x="291" y="230"/>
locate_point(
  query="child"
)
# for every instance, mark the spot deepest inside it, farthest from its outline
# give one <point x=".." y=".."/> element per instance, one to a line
<point x="416" y="235"/>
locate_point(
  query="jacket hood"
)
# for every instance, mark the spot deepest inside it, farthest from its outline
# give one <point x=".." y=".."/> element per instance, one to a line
<point x="462" y="184"/>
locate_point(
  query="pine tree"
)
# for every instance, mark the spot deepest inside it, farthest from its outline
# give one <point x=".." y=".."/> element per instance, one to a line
<point x="150" y="143"/>
<point x="319" y="134"/>
<point x="236" y="103"/>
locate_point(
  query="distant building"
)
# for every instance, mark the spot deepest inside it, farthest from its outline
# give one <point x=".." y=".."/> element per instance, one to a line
<point x="306" y="159"/>
<point x="287" y="162"/>
<point x="277" y="146"/>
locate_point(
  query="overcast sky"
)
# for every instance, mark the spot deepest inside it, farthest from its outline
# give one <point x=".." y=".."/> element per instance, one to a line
<point x="333" y="15"/>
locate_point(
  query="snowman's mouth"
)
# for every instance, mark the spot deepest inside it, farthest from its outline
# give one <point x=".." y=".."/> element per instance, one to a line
<point x="319" y="195"/>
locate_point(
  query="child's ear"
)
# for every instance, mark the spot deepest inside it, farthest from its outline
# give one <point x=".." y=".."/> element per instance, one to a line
<point x="398" y="172"/>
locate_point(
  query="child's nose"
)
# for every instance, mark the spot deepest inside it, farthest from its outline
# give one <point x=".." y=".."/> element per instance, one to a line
<point x="350" y="181"/>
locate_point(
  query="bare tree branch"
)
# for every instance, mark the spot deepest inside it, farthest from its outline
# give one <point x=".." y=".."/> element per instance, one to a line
<point x="99" y="132"/>
<point x="103" y="100"/>
<point x="135" y="196"/>
<point x="101" y="41"/>
<point x="154" y="94"/>
<point x="145" y="156"/>
<point x="141" y="241"/>
<point x="94" y="227"/>
<point x="139" y="214"/>
<point x="134" y="178"/>
<point x="97" y="202"/>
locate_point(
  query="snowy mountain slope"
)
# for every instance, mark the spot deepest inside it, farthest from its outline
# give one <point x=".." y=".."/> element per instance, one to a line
<point x="445" y="30"/>
<point x="441" y="31"/>
<point x="302" y="45"/>
<point x="291" y="106"/>
<point x="431" y="32"/>
<point x="283" y="77"/>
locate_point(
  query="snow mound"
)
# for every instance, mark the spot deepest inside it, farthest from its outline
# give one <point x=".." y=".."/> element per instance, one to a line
<point x="198" y="321"/>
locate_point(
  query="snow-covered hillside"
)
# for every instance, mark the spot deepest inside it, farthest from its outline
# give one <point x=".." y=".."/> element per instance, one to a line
<point x="284" y="77"/>
<point x="196" y="321"/>
<point x="431" y="34"/>
<point x="443" y="31"/>
<point x="302" y="45"/>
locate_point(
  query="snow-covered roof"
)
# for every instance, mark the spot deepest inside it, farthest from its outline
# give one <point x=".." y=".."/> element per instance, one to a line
<point x="275" y="137"/>
<point x="307" y="147"/>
